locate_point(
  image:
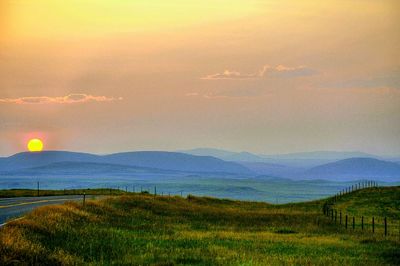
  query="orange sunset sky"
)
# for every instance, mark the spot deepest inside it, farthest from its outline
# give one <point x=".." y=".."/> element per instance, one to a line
<point x="266" y="76"/>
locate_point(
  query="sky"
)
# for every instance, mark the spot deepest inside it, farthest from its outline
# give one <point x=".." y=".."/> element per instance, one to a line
<point x="268" y="76"/>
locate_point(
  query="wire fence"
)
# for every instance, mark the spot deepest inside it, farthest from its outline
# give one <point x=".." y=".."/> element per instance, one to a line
<point x="376" y="225"/>
<point x="40" y="191"/>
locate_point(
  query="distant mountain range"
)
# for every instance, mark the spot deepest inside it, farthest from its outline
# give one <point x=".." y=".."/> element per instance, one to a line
<point x="203" y="161"/>
<point x="147" y="159"/>
<point x="357" y="168"/>
<point x="296" y="160"/>
<point x="225" y="155"/>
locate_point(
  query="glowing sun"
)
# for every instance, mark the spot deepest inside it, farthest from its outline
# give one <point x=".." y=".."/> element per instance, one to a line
<point x="35" y="145"/>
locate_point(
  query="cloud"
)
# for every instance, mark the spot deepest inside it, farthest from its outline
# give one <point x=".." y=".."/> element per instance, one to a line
<point x="230" y="93"/>
<point x="192" y="94"/>
<point x="266" y="70"/>
<point x="68" y="99"/>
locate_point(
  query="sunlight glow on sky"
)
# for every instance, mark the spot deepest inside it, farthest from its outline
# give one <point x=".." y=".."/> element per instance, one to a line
<point x="262" y="76"/>
<point x="76" y="18"/>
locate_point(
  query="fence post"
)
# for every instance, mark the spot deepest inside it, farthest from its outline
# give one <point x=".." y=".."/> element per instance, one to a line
<point x="38" y="188"/>
<point x="353" y="223"/>
<point x="385" y="226"/>
<point x="155" y="190"/>
<point x="346" y="221"/>
<point x="362" y="222"/>
<point x="373" y="224"/>
<point x="332" y="215"/>
<point x="335" y="216"/>
<point x="84" y="199"/>
<point x="340" y="217"/>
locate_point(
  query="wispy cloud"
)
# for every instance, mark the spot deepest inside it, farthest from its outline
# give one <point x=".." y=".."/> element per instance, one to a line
<point x="68" y="99"/>
<point x="192" y="94"/>
<point x="231" y="93"/>
<point x="266" y="70"/>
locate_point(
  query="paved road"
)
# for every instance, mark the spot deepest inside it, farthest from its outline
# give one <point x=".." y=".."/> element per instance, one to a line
<point x="11" y="208"/>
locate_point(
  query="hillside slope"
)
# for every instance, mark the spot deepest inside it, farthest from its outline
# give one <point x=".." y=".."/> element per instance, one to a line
<point x="357" y="168"/>
<point x="143" y="230"/>
<point x="176" y="161"/>
<point x="148" y="159"/>
<point x="377" y="202"/>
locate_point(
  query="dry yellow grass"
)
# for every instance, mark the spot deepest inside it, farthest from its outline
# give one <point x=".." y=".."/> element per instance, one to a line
<point x="148" y="230"/>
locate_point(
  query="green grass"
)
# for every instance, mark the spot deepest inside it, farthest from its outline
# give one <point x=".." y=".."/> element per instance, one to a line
<point x="380" y="201"/>
<point x="377" y="202"/>
<point x="140" y="229"/>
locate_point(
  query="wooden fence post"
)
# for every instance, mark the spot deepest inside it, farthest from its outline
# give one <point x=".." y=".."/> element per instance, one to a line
<point x="335" y="216"/>
<point x="385" y="221"/>
<point x="373" y="224"/>
<point x="362" y="222"/>
<point x="84" y="199"/>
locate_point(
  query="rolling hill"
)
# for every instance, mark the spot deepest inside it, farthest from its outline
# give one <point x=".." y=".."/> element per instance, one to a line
<point x="85" y="168"/>
<point x="357" y="168"/>
<point x="270" y="169"/>
<point x="146" y="159"/>
<point x="28" y="160"/>
<point x="142" y="229"/>
<point x="294" y="160"/>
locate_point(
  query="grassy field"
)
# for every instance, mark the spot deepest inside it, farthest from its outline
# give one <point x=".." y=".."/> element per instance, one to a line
<point x="366" y="204"/>
<point x="140" y="229"/>
<point x="370" y="202"/>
